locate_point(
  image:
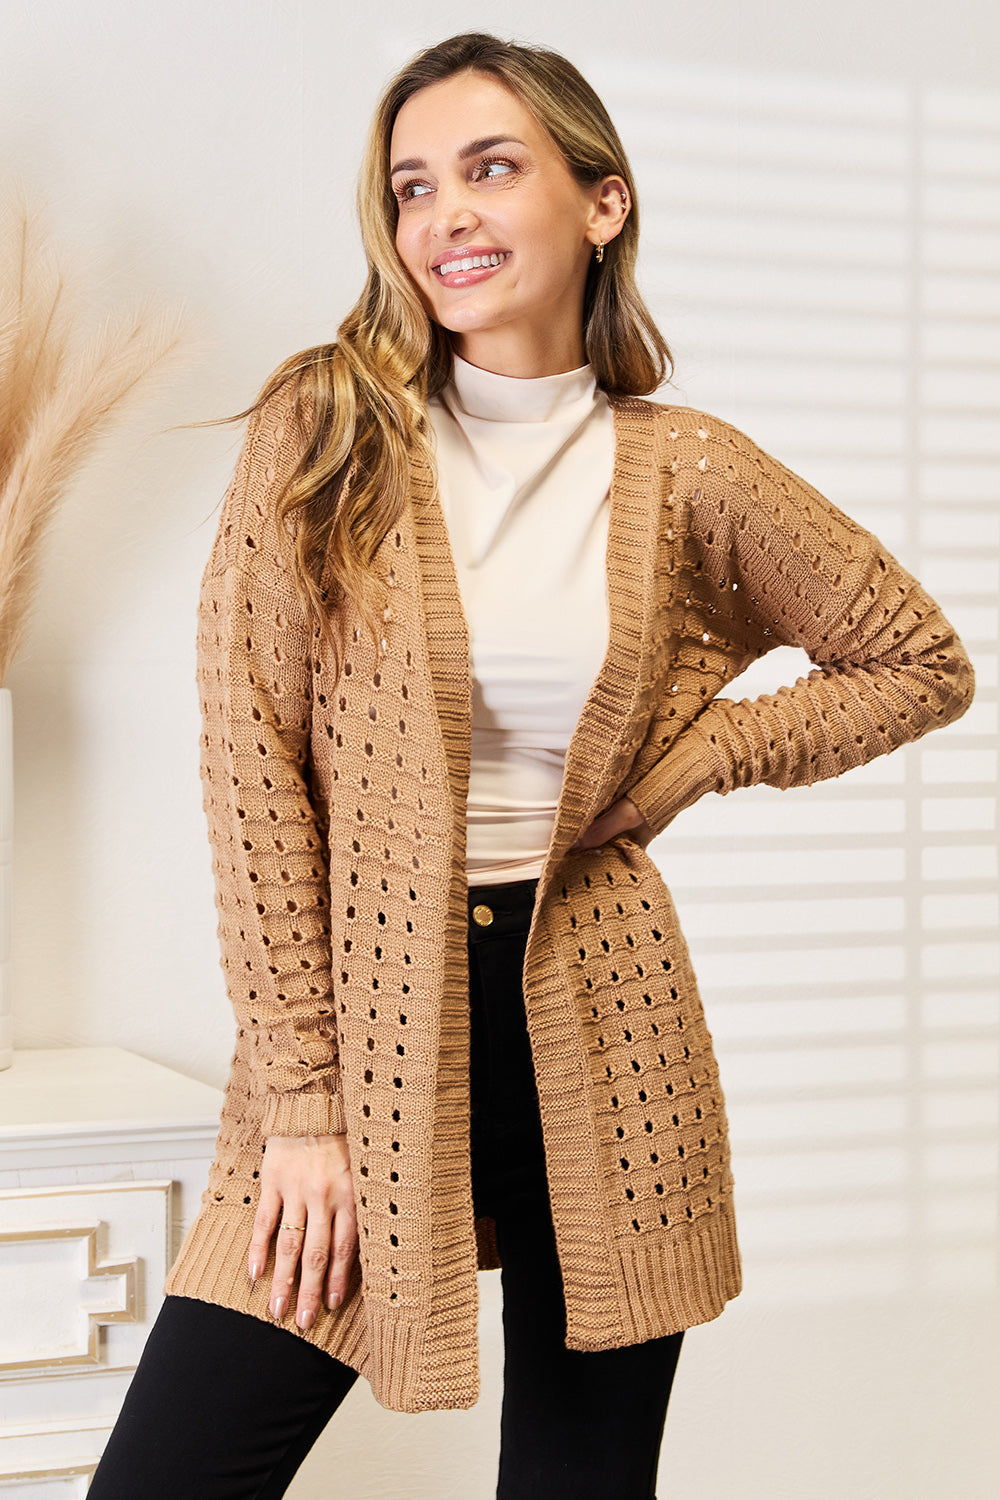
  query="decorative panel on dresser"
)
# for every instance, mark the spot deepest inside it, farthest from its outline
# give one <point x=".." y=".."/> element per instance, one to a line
<point x="103" y="1158"/>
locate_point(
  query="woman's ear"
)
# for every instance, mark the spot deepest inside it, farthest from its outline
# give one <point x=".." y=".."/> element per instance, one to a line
<point x="609" y="211"/>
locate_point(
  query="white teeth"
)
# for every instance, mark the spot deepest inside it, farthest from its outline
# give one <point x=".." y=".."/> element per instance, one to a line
<point x="471" y="263"/>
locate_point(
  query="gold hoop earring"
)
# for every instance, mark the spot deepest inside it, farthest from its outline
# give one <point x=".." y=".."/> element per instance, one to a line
<point x="600" y="251"/>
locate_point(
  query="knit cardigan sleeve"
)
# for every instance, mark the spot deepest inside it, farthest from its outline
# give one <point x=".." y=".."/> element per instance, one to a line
<point x="270" y="856"/>
<point x="765" y="560"/>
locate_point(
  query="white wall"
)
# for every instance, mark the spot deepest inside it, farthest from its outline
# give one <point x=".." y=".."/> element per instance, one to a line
<point x="821" y="198"/>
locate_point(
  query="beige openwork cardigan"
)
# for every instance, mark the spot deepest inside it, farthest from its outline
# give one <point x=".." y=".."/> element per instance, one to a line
<point x="337" y="818"/>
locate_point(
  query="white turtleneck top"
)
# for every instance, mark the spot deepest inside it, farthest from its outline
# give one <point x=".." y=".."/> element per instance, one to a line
<point x="524" y="474"/>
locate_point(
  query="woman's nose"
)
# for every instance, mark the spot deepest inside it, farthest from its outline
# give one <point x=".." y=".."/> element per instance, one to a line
<point x="455" y="211"/>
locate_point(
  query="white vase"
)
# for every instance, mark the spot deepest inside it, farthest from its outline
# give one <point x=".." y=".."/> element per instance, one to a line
<point x="6" y="879"/>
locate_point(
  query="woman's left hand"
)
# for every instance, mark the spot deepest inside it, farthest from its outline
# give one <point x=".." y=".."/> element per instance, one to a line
<point x="621" y="817"/>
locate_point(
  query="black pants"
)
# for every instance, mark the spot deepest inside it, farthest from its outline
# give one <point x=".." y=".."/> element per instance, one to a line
<point x="224" y="1406"/>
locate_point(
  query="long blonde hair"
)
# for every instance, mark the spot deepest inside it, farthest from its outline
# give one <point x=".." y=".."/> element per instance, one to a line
<point x="363" y="400"/>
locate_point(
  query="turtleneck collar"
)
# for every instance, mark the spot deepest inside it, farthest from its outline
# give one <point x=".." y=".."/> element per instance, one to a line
<point x="484" y="395"/>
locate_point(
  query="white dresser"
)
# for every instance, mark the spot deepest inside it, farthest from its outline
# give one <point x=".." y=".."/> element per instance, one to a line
<point x="103" y="1157"/>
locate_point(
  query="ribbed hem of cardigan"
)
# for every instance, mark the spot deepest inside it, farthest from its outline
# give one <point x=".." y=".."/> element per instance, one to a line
<point x="669" y="1286"/>
<point x="400" y="1358"/>
<point x="303" y="1114"/>
<point x="388" y="1347"/>
<point x="678" y="780"/>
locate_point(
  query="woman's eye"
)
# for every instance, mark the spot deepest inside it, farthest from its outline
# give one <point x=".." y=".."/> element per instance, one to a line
<point x="498" y="168"/>
<point x="407" y="191"/>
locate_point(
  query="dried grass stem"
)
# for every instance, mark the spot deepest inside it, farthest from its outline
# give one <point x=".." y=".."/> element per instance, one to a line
<point x="60" y="390"/>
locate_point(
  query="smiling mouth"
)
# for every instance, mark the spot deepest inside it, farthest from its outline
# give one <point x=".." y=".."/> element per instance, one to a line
<point x="471" y="263"/>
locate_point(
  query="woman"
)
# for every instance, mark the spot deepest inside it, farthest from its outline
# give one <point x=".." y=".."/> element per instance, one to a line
<point x="462" y="637"/>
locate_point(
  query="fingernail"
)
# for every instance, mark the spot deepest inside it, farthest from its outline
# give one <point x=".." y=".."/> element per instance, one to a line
<point x="306" y="1318"/>
<point x="280" y="1307"/>
<point x="256" y="1269"/>
<point x="334" y="1300"/>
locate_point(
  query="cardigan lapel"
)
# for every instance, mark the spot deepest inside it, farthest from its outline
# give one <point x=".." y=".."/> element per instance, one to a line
<point x="603" y="742"/>
<point x="447" y="633"/>
<point x="604" y="739"/>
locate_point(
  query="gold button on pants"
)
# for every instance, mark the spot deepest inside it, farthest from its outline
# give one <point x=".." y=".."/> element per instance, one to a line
<point x="482" y="915"/>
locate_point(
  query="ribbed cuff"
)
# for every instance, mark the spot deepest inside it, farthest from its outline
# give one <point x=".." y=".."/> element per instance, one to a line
<point x="304" y="1114"/>
<point x="677" y="781"/>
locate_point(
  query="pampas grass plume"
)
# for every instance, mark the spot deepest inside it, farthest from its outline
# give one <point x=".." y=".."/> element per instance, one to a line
<point x="60" y="390"/>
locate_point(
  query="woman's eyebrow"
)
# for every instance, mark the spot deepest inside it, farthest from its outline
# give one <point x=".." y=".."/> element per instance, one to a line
<point x="417" y="163"/>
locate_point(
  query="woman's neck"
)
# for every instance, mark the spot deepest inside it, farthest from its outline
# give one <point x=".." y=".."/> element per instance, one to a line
<point x="525" y="355"/>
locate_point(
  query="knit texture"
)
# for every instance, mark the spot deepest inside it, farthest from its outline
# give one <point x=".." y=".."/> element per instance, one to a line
<point x="337" y="820"/>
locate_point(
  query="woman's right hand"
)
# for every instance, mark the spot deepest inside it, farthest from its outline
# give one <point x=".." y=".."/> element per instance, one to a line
<point x="305" y="1183"/>
<point x="621" y="817"/>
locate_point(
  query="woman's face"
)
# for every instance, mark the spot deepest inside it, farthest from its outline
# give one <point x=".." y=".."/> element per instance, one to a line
<point x="477" y="177"/>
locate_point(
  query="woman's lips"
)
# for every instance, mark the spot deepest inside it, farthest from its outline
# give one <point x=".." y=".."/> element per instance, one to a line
<point x="466" y="270"/>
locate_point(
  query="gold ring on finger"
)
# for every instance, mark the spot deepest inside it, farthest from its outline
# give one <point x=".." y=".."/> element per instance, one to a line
<point x="298" y="1228"/>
